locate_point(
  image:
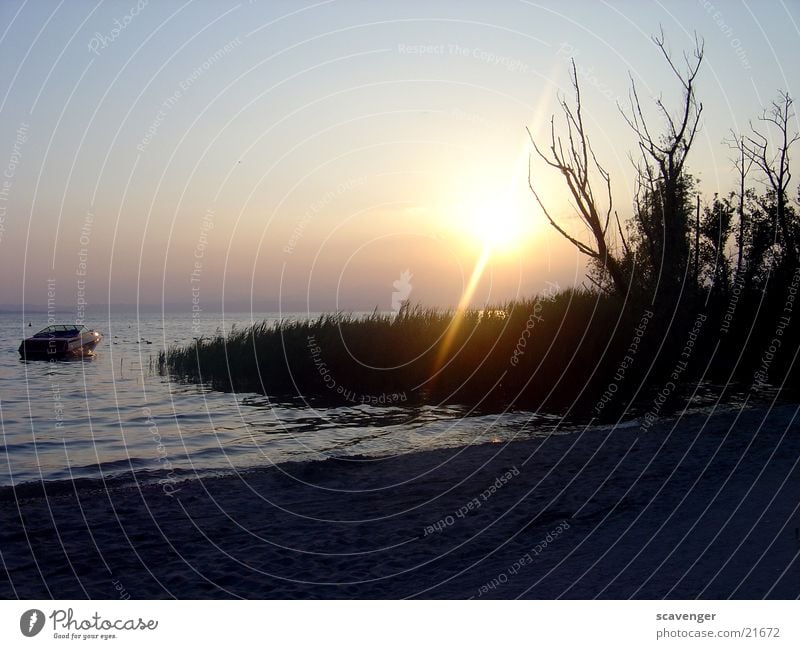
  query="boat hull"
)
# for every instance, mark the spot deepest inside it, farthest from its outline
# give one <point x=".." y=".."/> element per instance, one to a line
<point x="56" y="348"/>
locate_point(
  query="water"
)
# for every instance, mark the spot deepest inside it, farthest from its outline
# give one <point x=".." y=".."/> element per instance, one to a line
<point x="114" y="416"/>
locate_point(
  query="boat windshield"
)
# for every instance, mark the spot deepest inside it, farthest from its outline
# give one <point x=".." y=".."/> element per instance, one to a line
<point x="62" y="330"/>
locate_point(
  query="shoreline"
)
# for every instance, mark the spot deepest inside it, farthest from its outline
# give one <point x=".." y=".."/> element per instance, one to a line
<point x="696" y="506"/>
<point x="132" y="470"/>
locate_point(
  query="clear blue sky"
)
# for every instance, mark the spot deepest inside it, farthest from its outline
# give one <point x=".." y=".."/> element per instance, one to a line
<point x="312" y="152"/>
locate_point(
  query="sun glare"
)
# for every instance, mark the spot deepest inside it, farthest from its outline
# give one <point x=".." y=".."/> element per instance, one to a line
<point x="500" y="224"/>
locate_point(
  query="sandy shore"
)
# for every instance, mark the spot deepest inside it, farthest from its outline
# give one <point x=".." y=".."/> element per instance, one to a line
<point x="694" y="507"/>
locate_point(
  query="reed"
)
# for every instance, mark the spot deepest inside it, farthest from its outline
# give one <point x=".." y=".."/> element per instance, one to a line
<point x="507" y="352"/>
<point x="559" y="353"/>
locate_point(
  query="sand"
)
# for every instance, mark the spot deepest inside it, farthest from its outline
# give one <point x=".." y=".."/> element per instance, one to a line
<point x="700" y="506"/>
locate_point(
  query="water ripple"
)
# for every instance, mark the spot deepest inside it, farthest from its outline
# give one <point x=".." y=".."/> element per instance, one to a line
<point x="113" y="416"/>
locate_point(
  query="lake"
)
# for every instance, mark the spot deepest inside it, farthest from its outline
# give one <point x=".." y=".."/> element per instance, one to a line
<point x="115" y="417"/>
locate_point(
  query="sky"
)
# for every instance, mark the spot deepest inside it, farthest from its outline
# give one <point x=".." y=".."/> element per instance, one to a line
<point x="337" y="154"/>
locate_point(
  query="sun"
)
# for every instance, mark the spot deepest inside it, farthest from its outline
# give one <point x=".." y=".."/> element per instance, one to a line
<point x="499" y="223"/>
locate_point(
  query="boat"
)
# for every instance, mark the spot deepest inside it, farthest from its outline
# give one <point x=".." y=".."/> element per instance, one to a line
<point x="60" y="341"/>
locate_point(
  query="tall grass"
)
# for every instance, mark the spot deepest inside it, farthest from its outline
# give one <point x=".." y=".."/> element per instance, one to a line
<point x="522" y="351"/>
<point x="556" y="353"/>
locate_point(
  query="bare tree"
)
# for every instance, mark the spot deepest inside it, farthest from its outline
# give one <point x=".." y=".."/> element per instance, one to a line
<point x="576" y="161"/>
<point x="661" y="172"/>
<point x="743" y="164"/>
<point x="775" y="166"/>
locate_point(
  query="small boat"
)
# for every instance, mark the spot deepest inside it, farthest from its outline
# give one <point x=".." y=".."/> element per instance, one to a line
<point x="60" y="341"/>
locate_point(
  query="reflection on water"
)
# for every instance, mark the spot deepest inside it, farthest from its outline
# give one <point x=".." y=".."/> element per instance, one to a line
<point x="114" y="414"/>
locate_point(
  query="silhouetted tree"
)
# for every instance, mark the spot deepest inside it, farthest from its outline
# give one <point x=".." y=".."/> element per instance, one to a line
<point x="647" y="234"/>
<point x="775" y="167"/>
<point x="664" y="205"/>
<point x="714" y="234"/>
<point x="743" y="164"/>
<point x="576" y="162"/>
<point x="763" y="248"/>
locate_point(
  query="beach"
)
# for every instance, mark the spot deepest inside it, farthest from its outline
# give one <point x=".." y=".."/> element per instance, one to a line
<point x="703" y="505"/>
